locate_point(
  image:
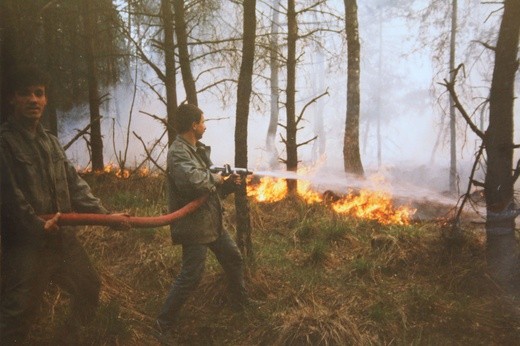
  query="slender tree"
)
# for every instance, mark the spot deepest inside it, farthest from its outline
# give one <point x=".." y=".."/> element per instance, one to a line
<point x="170" y="81"/>
<point x="290" y="140"/>
<point x="351" y="155"/>
<point x="96" y="141"/>
<point x="274" y="64"/>
<point x="242" y="114"/>
<point x="453" y="128"/>
<point x="184" y="57"/>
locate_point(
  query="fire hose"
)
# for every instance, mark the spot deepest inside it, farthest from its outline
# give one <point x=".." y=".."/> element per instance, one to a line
<point x="76" y="219"/>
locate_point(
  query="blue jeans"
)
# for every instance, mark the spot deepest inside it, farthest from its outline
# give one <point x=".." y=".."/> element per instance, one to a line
<point x="193" y="261"/>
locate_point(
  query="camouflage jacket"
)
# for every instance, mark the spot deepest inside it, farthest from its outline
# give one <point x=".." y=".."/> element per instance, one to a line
<point x="37" y="178"/>
<point x="189" y="177"/>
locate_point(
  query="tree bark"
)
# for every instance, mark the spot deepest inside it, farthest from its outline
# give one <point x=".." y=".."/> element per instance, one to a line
<point x="351" y="155"/>
<point x="184" y="57"/>
<point x="96" y="141"/>
<point x="169" y="62"/>
<point x="290" y="140"/>
<point x="502" y="250"/>
<point x="275" y="88"/>
<point x="244" y="89"/>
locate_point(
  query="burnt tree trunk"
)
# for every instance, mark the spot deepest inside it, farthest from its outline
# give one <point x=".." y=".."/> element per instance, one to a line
<point x="351" y="155"/>
<point x="184" y="57"/>
<point x="500" y="222"/>
<point x="242" y="114"/>
<point x="169" y="62"/>
<point x="96" y="141"/>
<point x="290" y="140"/>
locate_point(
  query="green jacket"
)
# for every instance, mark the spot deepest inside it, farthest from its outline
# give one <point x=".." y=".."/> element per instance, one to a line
<point x="37" y="178"/>
<point x="189" y="177"/>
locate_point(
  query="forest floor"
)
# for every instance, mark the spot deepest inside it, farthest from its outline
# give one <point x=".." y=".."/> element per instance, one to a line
<point x="320" y="279"/>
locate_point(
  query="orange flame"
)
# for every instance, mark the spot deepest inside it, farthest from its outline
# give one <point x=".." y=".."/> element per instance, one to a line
<point x="372" y="205"/>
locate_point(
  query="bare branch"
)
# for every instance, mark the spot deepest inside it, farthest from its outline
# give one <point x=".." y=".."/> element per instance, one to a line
<point x="209" y="86"/>
<point x="148" y="154"/>
<point x="299" y="118"/>
<point x="467" y="194"/>
<point x="307" y="142"/>
<point x="161" y="98"/>
<point x="156" y="117"/>
<point x="516" y="172"/>
<point x="486" y="45"/>
<point x="79" y="134"/>
<point x="451" y="89"/>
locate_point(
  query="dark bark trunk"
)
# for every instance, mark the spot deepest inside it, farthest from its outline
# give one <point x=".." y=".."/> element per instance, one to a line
<point x="51" y="119"/>
<point x="291" y="145"/>
<point x="169" y="62"/>
<point x="242" y="114"/>
<point x="351" y="155"/>
<point x="96" y="141"/>
<point x="500" y="222"/>
<point x="184" y="57"/>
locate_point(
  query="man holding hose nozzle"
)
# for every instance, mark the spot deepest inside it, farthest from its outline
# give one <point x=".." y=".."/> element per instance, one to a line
<point x="37" y="178"/>
<point x="189" y="177"/>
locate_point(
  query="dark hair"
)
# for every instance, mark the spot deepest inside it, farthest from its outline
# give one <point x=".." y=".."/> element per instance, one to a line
<point x="24" y="76"/>
<point x="186" y="115"/>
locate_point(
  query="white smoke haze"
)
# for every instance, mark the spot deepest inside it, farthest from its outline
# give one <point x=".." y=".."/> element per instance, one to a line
<point x="410" y="117"/>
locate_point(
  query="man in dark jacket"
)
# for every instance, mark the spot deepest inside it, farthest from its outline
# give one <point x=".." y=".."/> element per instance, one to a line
<point x="37" y="179"/>
<point x="189" y="177"/>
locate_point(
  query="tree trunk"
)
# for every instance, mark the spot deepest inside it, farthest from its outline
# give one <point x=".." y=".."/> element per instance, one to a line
<point x="502" y="250"/>
<point x="51" y="119"/>
<point x="453" y="134"/>
<point x="290" y="141"/>
<point x="275" y="88"/>
<point x="169" y="62"/>
<point x="242" y="114"/>
<point x="184" y="56"/>
<point x="351" y="155"/>
<point x="96" y="141"/>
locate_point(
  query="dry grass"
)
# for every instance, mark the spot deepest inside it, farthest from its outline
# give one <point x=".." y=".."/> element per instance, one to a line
<point x="322" y="279"/>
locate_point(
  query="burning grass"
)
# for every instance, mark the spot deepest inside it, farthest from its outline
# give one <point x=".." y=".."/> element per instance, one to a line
<point x="323" y="279"/>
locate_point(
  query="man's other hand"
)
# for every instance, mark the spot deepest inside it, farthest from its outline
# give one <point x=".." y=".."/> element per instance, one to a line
<point x="51" y="225"/>
<point x="122" y="226"/>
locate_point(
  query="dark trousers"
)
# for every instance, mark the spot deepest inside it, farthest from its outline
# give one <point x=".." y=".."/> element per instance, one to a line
<point x="26" y="273"/>
<point x="193" y="261"/>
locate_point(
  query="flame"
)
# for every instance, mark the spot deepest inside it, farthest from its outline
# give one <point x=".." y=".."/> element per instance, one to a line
<point x="373" y="205"/>
<point x="367" y="204"/>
